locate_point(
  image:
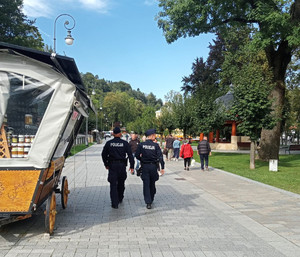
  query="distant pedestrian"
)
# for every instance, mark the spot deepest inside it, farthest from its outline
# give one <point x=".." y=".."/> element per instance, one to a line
<point x="165" y="151"/>
<point x="134" y="142"/>
<point x="150" y="155"/>
<point x="169" y="146"/>
<point x="186" y="152"/>
<point x="203" y="149"/>
<point x="114" y="159"/>
<point x="176" y="146"/>
<point x="127" y="137"/>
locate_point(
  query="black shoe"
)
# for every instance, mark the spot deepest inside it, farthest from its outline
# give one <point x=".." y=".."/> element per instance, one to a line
<point x="148" y="206"/>
<point x="114" y="206"/>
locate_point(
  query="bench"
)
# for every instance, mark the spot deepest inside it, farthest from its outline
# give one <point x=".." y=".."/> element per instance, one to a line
<point x="292" y="148"/>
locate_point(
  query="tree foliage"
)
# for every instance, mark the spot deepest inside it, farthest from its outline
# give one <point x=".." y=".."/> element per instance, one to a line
<point x="205" y="76"/>
<point x="276" y="20"/>
<point x="182" y="112"/>
<point x="144" y="121"/>
<point x="202" y="88"/>
<point x="16" y="28"/>
<point x="120" y="103"/>
<point x="248" y="71"/>
<point x="274" y="29"/>
<point x="102" y="87"/>
<point x="167" y="119"/>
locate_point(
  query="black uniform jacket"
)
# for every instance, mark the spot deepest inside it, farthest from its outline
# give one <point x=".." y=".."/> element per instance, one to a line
<point x="149" y="152"/>
<point x="115" y="150"/>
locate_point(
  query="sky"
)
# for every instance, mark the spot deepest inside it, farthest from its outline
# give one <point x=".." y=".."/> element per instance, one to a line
<point x="119" y="40"/>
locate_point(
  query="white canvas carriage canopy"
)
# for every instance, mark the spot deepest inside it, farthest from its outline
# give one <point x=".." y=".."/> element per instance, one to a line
<point x="36" y="99"/>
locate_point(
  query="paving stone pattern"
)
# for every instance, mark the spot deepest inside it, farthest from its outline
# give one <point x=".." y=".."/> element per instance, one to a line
<point x="195" y="213"/>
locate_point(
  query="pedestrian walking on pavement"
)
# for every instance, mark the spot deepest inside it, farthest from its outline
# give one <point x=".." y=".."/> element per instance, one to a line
<point x="134" y="142"/>
<point x="114" y="159"/>
<point x="169" y="147"/>
<point x="186" y="152"/>
<point x="150" y="155"/>
<point x="203" y="149"/>
<point x="176" y="146"/>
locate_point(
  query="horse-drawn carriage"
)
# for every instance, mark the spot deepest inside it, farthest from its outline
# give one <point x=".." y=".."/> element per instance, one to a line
<point x="42" y="105"/>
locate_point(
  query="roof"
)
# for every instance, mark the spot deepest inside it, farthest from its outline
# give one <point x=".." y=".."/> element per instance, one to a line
<point x="226" y="100"/>
<point x="64" y="64"/>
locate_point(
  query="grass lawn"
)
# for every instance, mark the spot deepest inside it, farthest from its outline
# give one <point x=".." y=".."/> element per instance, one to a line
<point x="78" y="148"/>
<point x="287" y="177"/>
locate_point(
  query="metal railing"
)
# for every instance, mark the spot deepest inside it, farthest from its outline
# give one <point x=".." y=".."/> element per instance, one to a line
<point x="80" y="139"/>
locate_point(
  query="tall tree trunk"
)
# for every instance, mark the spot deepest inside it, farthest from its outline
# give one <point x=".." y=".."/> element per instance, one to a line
<point x="270" y="139"/>
<point x="252" y="155"/>
<point x="278" y="61"/>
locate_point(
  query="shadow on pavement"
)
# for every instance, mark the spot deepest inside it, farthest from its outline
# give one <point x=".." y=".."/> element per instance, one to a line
<point x="90" y="206"/>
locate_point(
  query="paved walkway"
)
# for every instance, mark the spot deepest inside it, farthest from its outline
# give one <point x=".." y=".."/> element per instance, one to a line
<point x="194" y="214"/>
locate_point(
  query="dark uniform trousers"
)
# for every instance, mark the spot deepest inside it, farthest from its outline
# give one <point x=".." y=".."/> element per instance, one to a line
<point x="116" y="177"/>
<point x="149" y="176"/>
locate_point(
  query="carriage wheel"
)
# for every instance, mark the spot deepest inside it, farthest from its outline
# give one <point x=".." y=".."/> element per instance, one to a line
<point x="50" y="213"/>
<point x="64" y="192"/>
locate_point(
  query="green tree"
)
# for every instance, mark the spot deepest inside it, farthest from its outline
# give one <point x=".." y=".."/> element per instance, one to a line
<point x="275" y="30"/>
<point x="202" y="112"/>
<point x="119" y="107"/>
<point x="292" y="119"/>
<point x="167" y="118"/>
<point x="252" y="106"/>
<point x="15" y="28"/>
<point x="138" y="94"/>
<point x="292" y="106"/>
<point x="120" y="86"/>
<point x="182" y="113"/>
<point x="144" y="122"/>
<point x="205" y="75"/>
<point x="121" y="103"/>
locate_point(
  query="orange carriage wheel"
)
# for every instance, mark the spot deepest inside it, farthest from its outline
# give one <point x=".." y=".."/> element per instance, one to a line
<point x="50" y="213"/>
<point x="64" y="192"/>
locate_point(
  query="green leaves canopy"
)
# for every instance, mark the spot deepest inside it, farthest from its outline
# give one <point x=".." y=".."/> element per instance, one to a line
<point x="251" y="80"/>
<point x="15" y="28"/>
<point x="276" y="20"/>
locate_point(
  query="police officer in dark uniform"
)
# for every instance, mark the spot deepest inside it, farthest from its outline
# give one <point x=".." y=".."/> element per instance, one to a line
<point x="150" y="155"/>
<point x="114" y="159"/>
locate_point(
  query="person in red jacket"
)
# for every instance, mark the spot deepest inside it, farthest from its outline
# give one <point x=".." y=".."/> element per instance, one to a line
<point x="186" y="152"/>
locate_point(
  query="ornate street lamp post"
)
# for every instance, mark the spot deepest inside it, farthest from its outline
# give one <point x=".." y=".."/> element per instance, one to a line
<point x="69" y="39"/>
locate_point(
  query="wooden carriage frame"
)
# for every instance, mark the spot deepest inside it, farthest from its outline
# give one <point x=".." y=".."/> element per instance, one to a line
<point x="24" y="189"/>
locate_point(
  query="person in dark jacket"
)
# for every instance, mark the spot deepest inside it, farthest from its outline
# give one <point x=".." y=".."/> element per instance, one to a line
<point x="114" y="159"/>
<point x="203" y="149"/>
<point x="134" y="142"/>
<point x="169" y="147"/>
<point x="150" y="155"/>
